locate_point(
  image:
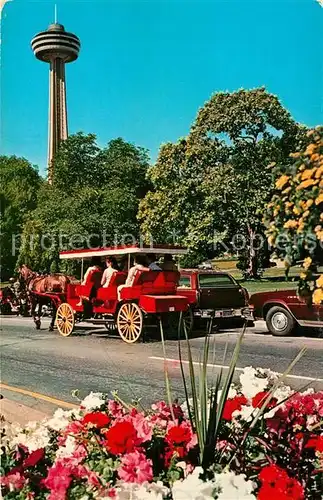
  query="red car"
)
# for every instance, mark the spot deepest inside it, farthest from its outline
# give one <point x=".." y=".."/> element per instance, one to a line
<point x="284" y="311"/>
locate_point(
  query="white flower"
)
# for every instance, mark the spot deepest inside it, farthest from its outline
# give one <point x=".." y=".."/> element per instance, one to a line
<point x="193" y="488"/>
<point x="283" y="392"/>
<point x="145" y="491"/>
<point x="308" y="392"/>
<point x="234" y="486"/>
<point x="224" y="486"/>
<point x="320" y="2"/>
<point x="231" y="393"/>
<point x="247" y="413"/>
<point x="68" y="449"/>
<point x="34" y="437"/>
<point x="59" y="420"/>
<point x="93" y="401"/>
<point x="253" y="381"/>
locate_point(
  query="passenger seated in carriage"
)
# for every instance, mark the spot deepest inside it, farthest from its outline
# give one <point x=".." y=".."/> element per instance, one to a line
<point x="95" y="266"/>
<point x="92" y="277"/>
<point x="111" y="269"/>
<point x="139" y="265"/>
<point x="169" y="264"/>
<point x="152" y="262"/>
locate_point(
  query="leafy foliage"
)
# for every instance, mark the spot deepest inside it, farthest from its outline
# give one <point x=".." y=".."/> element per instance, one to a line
<point x="215" y="184"/>
<point x="93" y="200"/>
<point x="294" y="216"/>
<point x="19" y="184"/>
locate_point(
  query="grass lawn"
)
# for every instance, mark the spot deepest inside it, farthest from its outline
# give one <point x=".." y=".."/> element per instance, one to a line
<point x="273" y="278"/>
<point x="271" y="272"/>
<point x="266" y="286"/>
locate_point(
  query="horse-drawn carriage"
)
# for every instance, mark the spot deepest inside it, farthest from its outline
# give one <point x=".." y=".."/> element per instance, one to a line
<point x="152" y="295"/>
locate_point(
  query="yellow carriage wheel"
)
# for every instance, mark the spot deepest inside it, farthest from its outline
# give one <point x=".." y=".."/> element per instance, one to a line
<point x="65" y="319"/>
<point x="130" y="322"/>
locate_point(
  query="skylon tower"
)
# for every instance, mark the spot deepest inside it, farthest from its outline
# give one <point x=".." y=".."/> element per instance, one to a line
<point x="56" y="47"/>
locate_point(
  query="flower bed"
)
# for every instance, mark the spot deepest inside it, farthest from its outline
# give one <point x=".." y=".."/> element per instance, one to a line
<point x="105" y="450"/>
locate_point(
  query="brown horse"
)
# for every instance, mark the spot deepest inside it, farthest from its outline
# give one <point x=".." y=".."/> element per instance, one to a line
<point x="36" y="285"/>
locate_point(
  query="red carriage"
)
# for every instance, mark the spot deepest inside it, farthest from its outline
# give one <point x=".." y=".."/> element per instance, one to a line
<point x="151" y="296"/>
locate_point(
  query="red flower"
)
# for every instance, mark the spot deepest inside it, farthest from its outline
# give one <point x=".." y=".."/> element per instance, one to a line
<point x="277" y="484"/>
<point x="315" y="442"/>
<point x="233" y="404"/>
<point x="259" y="399"/>
<point x="34" y="458"/>
<point x="121" y="438"/>
<point x="178" y="435"/>
<point x="97" y="418"/>
<point x="270" y="474"/>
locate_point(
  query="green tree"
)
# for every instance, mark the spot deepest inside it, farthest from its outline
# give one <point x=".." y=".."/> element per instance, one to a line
<point x="19" y="186"/>
<point x="75" y="164"/>
<point x="93" y="200"/>
<point x="219" y="179"/>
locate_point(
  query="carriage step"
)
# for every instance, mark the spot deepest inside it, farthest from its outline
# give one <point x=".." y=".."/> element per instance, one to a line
<point x="99" y="321"/>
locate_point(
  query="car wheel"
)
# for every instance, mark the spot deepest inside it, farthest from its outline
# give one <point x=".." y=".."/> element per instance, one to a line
<point x="280" y="322"/>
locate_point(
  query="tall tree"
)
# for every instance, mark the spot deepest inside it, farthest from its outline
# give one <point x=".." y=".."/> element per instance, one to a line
<point x="19" y="186"/>
<point x="222" y="180"/>
<point x="93" y="200"/>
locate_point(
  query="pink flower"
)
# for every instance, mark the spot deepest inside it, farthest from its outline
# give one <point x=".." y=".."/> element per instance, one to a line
<point x="14" y="480"/>
<point x="75" y="427"/>
<point x="82" y="471"/>
<point x="135" y="468"/>
<point x="116" y="410"/>
<point x="58" y="481"/>
<point x="143" y="426"/>
<point x="62" y="473"/>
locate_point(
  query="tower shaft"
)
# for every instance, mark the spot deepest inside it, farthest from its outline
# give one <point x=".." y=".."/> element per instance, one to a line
<point x="57" y="119"/>
<point x="56" y="47"/>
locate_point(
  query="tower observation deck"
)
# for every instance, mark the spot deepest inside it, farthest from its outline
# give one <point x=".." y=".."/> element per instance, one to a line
<point x="56" y="47"/>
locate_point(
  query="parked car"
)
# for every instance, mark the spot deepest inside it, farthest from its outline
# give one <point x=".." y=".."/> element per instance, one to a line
<point x="213" y="294"/>
<point x="284" y="311"/>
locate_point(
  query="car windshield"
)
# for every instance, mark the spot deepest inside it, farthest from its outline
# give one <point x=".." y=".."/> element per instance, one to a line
<point x="216" y="281"/>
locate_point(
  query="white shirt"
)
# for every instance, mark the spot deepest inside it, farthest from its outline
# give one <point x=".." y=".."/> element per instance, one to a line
<point x="132" y="274"/>
<point x="90" y="269"/>
<point x="107" y="275"/>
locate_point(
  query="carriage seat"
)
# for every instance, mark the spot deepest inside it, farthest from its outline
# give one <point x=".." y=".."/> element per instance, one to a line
<point x="93" y="282"/>
<point x="110" y="292"/>
<point x="151" y="283"/>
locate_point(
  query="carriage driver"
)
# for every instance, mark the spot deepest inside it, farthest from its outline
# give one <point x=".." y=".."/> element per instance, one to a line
<point x="152" y="262"/>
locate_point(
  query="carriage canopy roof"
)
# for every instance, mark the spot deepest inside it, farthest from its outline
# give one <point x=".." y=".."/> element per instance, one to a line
<point x="123" y="250"/>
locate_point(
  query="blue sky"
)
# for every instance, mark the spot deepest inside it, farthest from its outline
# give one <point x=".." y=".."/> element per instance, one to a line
<point x="146" y="66"/>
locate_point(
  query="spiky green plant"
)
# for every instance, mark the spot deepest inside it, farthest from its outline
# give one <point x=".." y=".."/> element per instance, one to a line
<point x="206" y="406"/>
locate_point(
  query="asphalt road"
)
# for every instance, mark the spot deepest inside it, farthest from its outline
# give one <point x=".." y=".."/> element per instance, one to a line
<point x="90" y="360"/>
